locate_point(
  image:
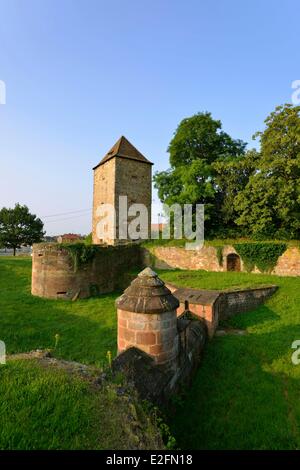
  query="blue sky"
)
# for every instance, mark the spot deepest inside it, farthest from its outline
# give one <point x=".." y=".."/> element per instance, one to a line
<point x="79" y="74"/>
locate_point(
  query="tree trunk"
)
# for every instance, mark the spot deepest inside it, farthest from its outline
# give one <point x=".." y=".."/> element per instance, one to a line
<point x="14" y="251"/>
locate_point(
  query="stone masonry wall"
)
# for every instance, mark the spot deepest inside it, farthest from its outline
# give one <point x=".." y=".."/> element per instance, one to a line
<point x="220" y="305"/>
<point x="55" y="276"/>
<point x="104" y="192"/>
<point x="233" y="302"/>
<point x="134" y="180"/>
<point x="121" y="177"/>
<point x="288" y="263"/>
<point x="162" y="257"/>
<point x="153" y="334"/>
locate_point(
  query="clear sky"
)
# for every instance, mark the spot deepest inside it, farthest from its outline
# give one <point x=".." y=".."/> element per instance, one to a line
<point x="80" y="73"/>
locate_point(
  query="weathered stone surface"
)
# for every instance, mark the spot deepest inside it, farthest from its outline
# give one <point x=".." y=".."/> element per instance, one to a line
<point x="158" y="352"/>
<point x="288" y="263"/>
<point x="54" y="276"/>
<point x="147" y="294"/>
<point x="150" y="334"/>
<point x="147" y="318"/>
<point x="213" y="306"/>
<point x="150" y="380"/>
<point x="158" y="382"/>
<point x="232" y="302"/>
<point x="124" y="171"/>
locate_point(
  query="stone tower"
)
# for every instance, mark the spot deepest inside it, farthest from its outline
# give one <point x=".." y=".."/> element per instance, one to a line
<point x="124" y="171"/>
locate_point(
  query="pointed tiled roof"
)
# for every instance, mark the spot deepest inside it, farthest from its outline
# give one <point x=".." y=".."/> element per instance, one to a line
<point x="147" y="294"/>
<point x="124" y="149"/>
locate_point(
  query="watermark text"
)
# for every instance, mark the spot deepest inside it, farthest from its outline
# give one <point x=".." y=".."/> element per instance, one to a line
<point x="2" y="92"/>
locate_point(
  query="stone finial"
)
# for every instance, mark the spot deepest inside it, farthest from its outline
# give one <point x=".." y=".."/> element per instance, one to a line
<point x="147" y="272"/>
<point x="147" y="294"/>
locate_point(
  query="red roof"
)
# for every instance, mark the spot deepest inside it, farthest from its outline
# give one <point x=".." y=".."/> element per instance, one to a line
<point x="71" y="236"/>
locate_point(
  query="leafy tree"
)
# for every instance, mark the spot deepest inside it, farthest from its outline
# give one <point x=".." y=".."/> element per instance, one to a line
<point x="197" y="145"/>
<point x="231" y="176"/>
<point x="269" y="204"/>
<point x="88" y="239"/>
<point x="18" y="227"/>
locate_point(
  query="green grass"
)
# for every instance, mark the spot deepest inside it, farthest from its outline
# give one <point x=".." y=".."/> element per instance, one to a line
<point x="48" y="408"/>
<point x="215" y="242"/>
<point x="244" y="396"/>
<point x="87" y="328"/>
<point x="246" y="393"/>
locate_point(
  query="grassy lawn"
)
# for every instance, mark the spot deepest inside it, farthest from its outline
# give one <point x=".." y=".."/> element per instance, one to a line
<point x="47" y="408"/>
<point x="217" y="242"/>
<point x="87" y="328"/>
<point x="245" y="395"/>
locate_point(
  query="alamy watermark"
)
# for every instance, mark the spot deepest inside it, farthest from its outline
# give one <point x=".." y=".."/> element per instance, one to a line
<point x="2" y="92"/>
<point x="296" y="354"/>
<point x="181" y="222"/>
<point x="2" y="352"/>
<point x="296" y="93"/>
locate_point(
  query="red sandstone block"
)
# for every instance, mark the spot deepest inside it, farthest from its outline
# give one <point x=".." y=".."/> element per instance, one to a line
<point x="154" y="325"/>
<point x="137" y="325"/>
<point x="167" y="335"/>
<point x="208" y="311"/>
<point x="128" y="344"/>
<point x="180" y="309"/>
<point x="124" y="315"/>
<point x="122" y="322"/>
<point x="146" y="338"/>
<point x="121" y="344"/>
<point x="156" y="349"/>
<point x="124" y="333"/>
<point x="145" y="347"/>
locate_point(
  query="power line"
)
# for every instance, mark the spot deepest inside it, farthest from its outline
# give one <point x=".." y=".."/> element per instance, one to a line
<point x="66" y="218"/>
<point x="66" y="213"/>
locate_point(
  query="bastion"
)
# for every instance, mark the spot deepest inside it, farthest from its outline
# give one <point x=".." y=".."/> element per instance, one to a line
<point x="76" y="271"/>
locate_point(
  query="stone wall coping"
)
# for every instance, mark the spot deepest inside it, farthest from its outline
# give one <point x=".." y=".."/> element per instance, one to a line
<point x="60" y="246"/>
<point x="208" y="297"/>
<point x="197" y="296"/>
<point x="247" y="289"/>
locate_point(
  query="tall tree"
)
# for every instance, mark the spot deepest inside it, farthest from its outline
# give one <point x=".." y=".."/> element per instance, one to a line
<point x="197" y="144"/>
<point x="18" y="227"/>
<point x="231" y="176"/>
<point x="269" y="205"/>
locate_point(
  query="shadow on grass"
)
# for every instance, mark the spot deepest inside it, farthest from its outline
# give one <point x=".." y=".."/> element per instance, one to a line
<point x="261" y="315"/>
<point x="244" y="396"/>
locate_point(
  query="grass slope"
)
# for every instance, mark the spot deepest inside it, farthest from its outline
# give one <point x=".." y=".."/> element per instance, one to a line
<point x="87" y="328"/>
<point x="47" y="408"/>
<point x="246" y="393"/>
<point x="244" y="396"/>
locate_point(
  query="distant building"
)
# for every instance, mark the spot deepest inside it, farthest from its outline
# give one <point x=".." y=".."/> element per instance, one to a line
<point x="157" y="227"/>
<point x="69" y="238"/>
